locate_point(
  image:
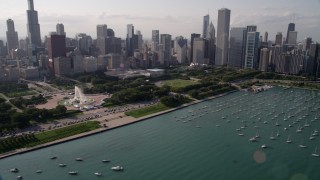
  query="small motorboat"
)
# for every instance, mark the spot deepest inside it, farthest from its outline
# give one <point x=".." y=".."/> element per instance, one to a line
<point x="105" y="161"/>
<point x="73" y="172"/>
<point x="97" y="174"/>
<point x="39" y="171"/>
<point x="62" y="165"/>
<point x="264" y="146"/>
<point x="14" y="170"/>
<point x="53" y="157"/>
<point x="117" y="168"/>
<point x="19" y="177"/>
<point x="79" y="159"/>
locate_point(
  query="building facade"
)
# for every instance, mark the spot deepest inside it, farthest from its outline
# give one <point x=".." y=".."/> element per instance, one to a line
<point x="236" y="52"/>
<point x="222" y="37"/>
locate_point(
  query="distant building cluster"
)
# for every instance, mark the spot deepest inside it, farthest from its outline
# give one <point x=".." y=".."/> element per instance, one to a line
<point x="237" y="47"/>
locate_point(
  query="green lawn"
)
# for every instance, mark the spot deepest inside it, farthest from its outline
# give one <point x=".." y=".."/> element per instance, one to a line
<point x="147" y="110"/>
<point x="31" y="140"/>
<point x="179" y="83"/>
<point x="19" y="94"/>
<point x="61" y="133"/>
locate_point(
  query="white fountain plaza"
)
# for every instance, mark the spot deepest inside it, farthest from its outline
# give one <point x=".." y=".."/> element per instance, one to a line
<point x="79" y="100"/>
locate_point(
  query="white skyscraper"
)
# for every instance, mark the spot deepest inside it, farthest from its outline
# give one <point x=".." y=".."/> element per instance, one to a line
<point x="206" y="20"/>
<point x="102" y="31"/>
<point x="223" y="37"/>
<point x="251" y="53"/>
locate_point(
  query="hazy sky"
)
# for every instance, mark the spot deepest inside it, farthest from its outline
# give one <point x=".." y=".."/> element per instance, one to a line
<point x="176" y="17"/>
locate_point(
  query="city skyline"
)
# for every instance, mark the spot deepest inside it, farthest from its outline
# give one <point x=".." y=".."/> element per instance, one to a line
<point x="271" y="17"/>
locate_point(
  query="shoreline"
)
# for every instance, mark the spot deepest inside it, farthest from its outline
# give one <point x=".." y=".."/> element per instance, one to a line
<point x="102" y="130"/>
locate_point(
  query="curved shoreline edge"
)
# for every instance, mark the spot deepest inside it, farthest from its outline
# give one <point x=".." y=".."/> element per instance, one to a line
<point x="102" y="130"/>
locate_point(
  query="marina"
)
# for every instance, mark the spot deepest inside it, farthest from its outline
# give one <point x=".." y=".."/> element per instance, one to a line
<point x="234" y="137"/>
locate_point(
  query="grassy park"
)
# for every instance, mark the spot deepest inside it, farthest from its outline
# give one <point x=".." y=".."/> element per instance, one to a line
<point x="30" y="140"/>
<point x="179" y="83"/>
<point x="147" y="110"/>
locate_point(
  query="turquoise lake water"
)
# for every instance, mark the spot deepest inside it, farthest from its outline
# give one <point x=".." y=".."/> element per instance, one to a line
<point x="200" y="142"/>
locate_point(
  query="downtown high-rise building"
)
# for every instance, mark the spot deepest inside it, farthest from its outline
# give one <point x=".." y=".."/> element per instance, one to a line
<point x="193" y="36"/>
<point x="102" y="31"/>
<point x="307" y="43"/>
<point x="155" y="40"/>
<point x="278" y="40"/>
<point x="165" y="41"/>
<point x="222" y="37"/>
<point x="291" y="27"/>
<point x="140" y="39"/>
<point x="206" y="20"/>
<point x="130" y="40"/>
<point x="211" y="37"/>
<point x="33" y="26"/>
<point x="60" y="29"/>
<point x="251" y="50"/>
<point x="292" y="38"/>
<point x="237" y="42"/>
<point x="12" y="36"/>
<point x="181" y="46"/>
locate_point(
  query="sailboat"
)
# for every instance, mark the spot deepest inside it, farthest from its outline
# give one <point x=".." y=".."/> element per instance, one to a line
<point x="315" y="154"/>
<point x="302" y="145"/>
<point x="278" y="134"/>
<point x="272" y="137"/>
<point x="289" y="140"/>
<point x="257" y="135"/>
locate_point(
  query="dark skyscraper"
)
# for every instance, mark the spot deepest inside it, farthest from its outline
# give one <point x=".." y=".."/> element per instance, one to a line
<point x="291" y="27"/>
<point x="12" y="36"/>
<point x="193" y="36"/>
<point x="130" y="38"/>
<point x="33" y="26"/>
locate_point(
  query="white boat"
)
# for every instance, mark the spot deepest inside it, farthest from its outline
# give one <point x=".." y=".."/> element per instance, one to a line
<point x="289" y="140"/>
<point x="302" y="145"/>
<point x="62" y="165"/>
<point x="315" y="154"/>
<point x="14" y="170"/>
<point x="97" y="174"/>
<point x="240" y="134"/>
<point x="73" y="172"/>
<point x="257" y="135"/>
<point x="272" y="137"/>
<point x="53" y="157"/>
<point x="19" y="177"/>
<point x="278" y="134"/>
<point x="253" y="139"/>
<point x="79" y="159"/>
<point x="39" y="171"/>
<point x="264" y="146"/>
<point x="117" y="168"/>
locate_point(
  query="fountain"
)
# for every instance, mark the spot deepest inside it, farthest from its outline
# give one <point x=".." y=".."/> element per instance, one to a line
<point x="79" y="99"/>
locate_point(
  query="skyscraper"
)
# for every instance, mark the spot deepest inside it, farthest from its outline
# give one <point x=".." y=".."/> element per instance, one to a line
<point x="165" y="40"/>
<point x="307" y="43"/>
<point x="252" y="47"/>
<point x="140" y="39"/>
<point x="278" y="40"/>
<point x="193" y="36"/>
<point x="155" y="40"/>
<point x="211" y="36"/>
<point x="291" y="27"/>
<point x="223" y="37"/>
<point x="181" y="45"/>
<point x="206" y="20"/>
<point x="237" y="42"/>
<point x="12" y="36"/>
<point x="266" y="37"/>
<point x="60" y="29"/>
<point x="102" y="31"/>
<point x="56" y="47"/>
<point x="129" y="40"/>
<point x="33" y="25"/>
<point x="200" y="51"/>
<point x="292" y="38"/>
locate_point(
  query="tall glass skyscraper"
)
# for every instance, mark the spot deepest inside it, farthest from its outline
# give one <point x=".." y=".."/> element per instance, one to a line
<point x="223" y="37"/>
<point x="206" y="20"/>
<point x="33" y="25"/>
<point x="237" y="42"/>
